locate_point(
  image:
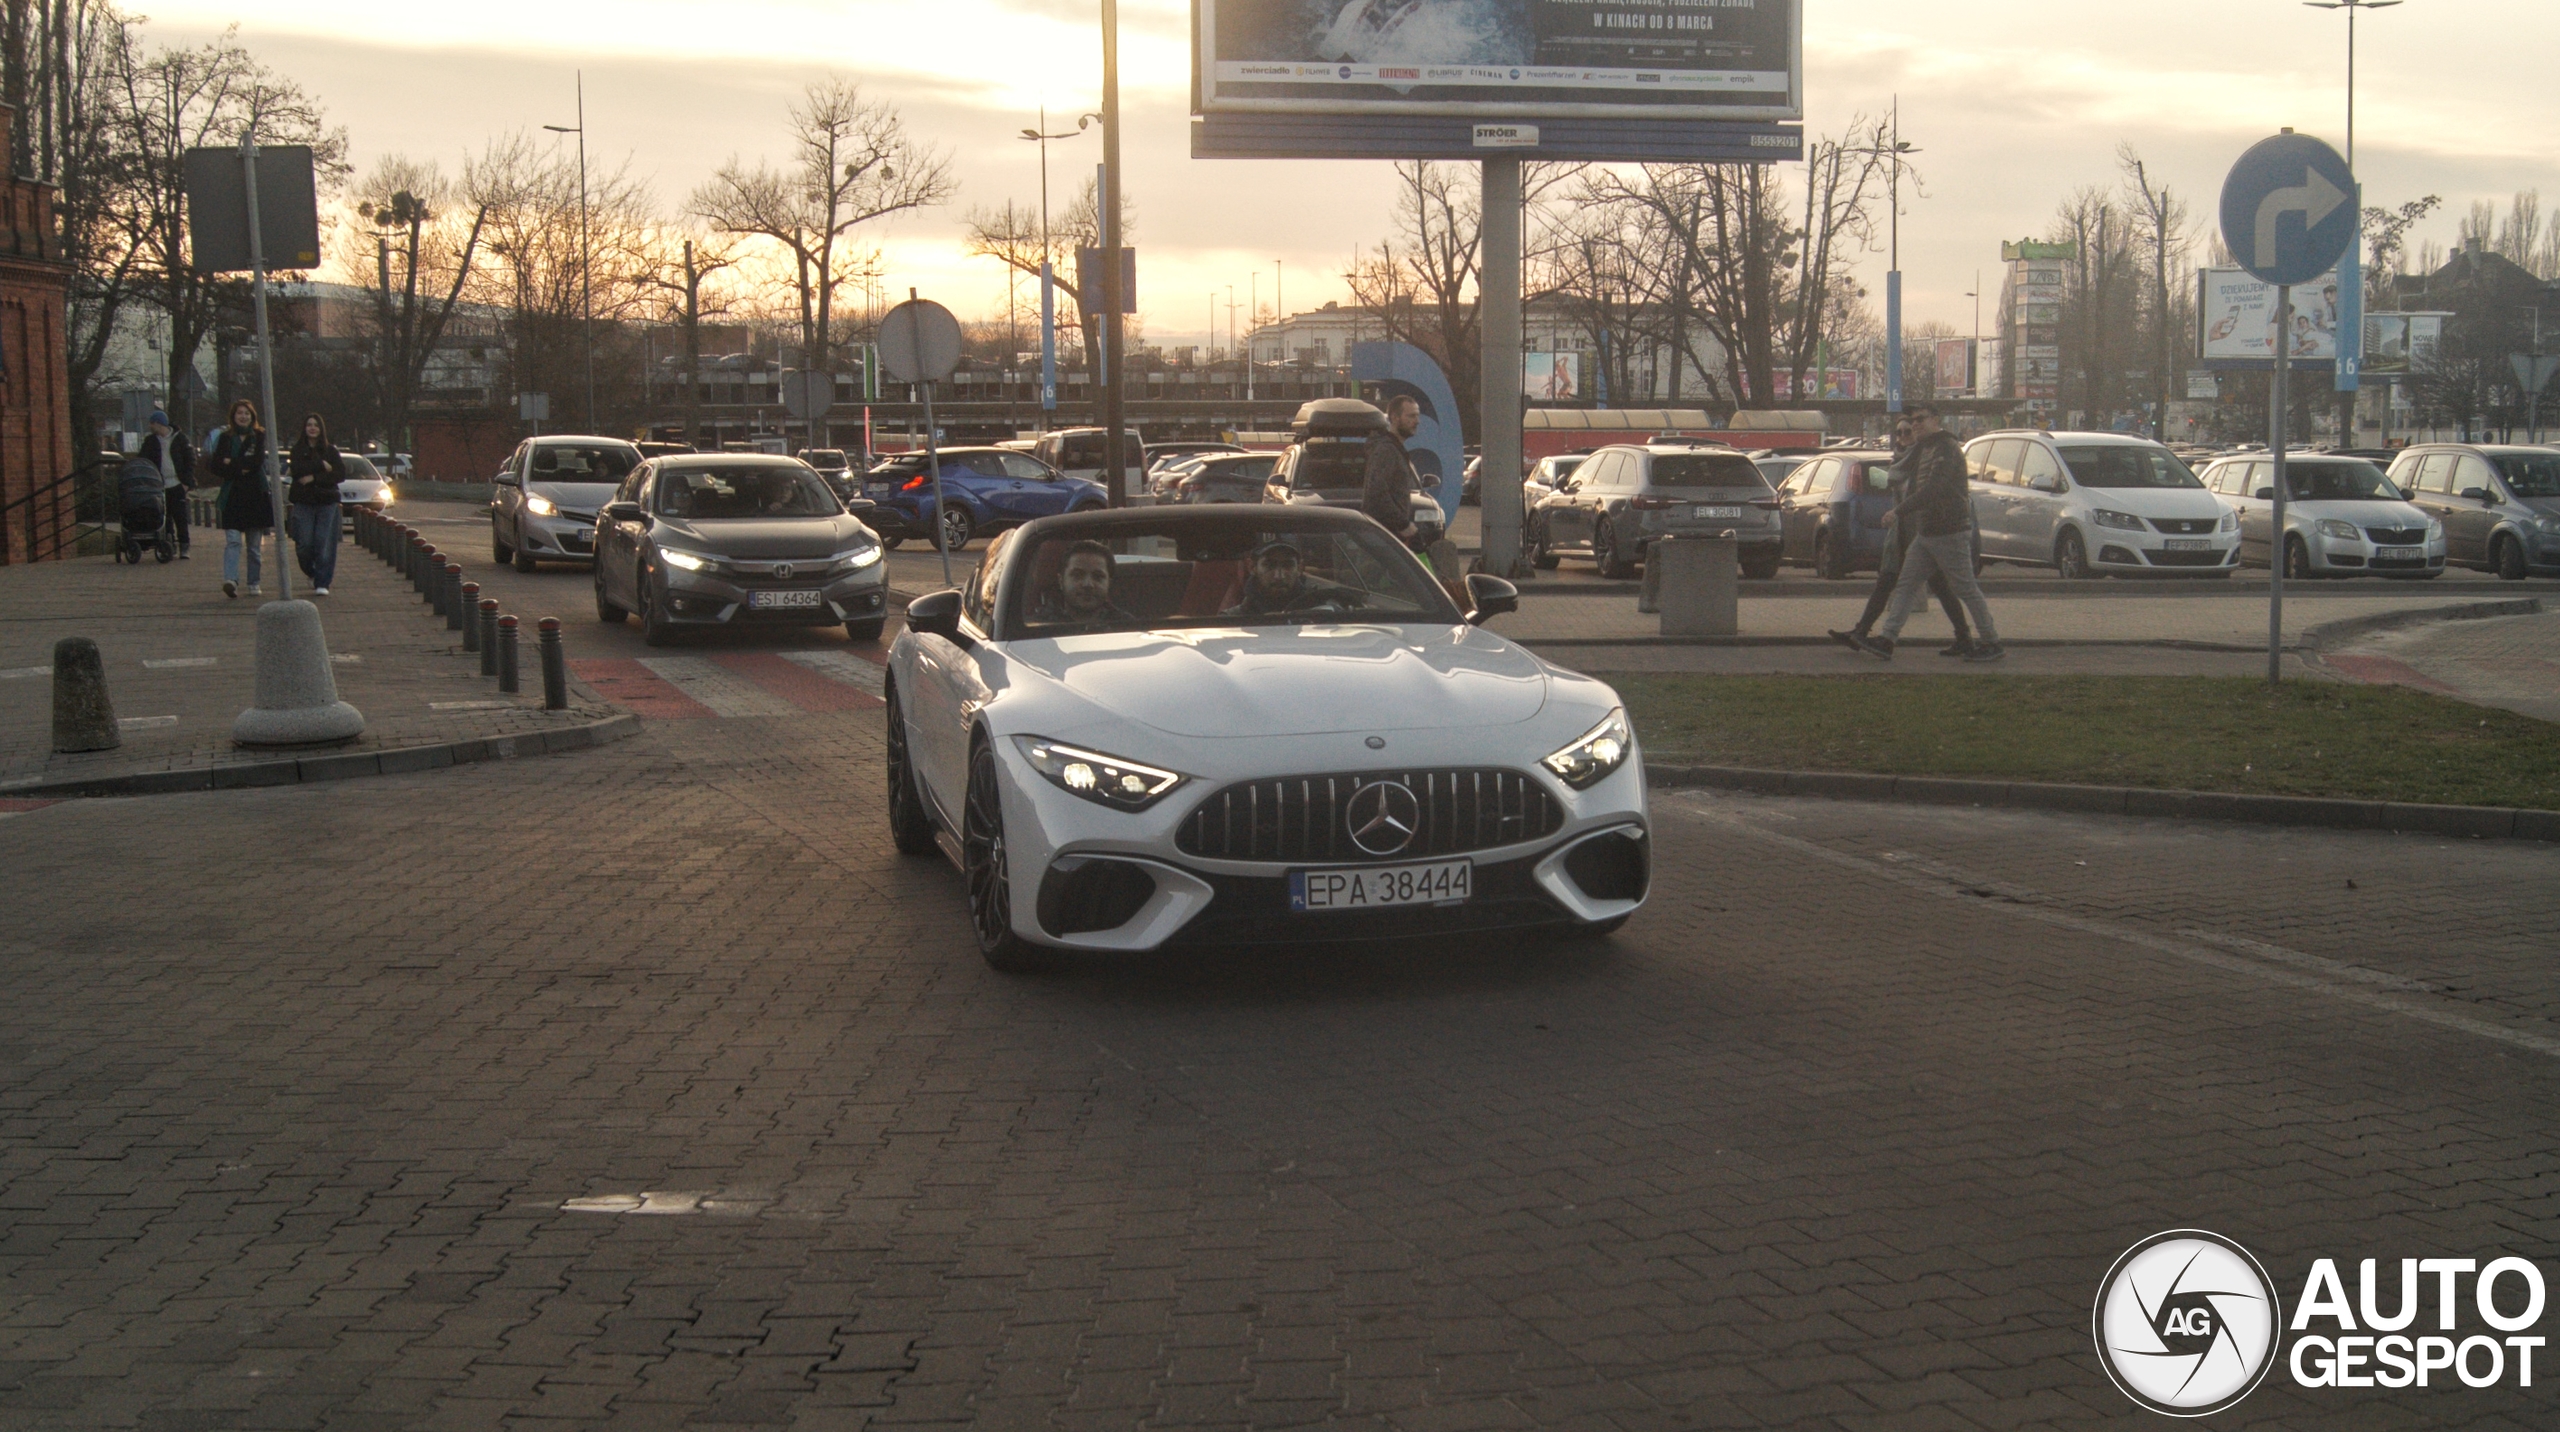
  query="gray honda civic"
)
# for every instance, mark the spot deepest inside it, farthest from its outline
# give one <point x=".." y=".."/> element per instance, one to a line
<point x="736" y="539"/>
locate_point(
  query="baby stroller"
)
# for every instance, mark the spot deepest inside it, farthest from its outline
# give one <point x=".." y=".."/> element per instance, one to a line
<point x="145" y="517"/>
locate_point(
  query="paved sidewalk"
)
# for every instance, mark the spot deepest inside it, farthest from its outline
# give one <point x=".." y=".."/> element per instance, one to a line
<point x="1918" y="657"/>
<point x="181" y="667"/>
<point x="2508" y="662"/>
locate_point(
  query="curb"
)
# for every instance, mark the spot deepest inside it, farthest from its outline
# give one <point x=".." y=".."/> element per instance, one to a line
<point x="2038" y="642"/>
<point x="343" y="766"/>
<point x="2328" y="634"/>
<point x="2475" y="822"/>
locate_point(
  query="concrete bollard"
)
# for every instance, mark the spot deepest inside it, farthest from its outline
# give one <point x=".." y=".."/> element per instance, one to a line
<point x="555" y="666"/>
<point x="471" y="616"/>
<point x="452" y="594"/>
<point x="488" y="636"/>
<point x="83" y="718"/>
<point x="298" y="701"/>
<point x="507" y="653"/>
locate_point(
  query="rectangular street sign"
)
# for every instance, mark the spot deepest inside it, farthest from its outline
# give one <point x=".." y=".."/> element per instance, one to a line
<point x="218" y="209"/>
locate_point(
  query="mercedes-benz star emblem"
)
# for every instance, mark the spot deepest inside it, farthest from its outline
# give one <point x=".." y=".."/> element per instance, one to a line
<point x="1382" y="817"/>
<point x="782" y="570"/>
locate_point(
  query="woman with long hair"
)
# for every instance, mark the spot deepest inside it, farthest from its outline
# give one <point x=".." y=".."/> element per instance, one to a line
<point x="238" y="457"/>
<point x="313" y="469"/>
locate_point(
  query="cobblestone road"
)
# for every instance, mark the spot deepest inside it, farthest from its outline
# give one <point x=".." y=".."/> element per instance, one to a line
<point x="646" y="1087"/>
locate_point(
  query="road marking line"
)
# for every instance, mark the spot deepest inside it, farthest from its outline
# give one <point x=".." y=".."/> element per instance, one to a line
<point x="471" y="705"/>
<point x="841" y="666"/>
<point x="346" y="658"/>
<point x="143" y="723"/>
<point x="167" y="663"/>
<point x="808" y="688"/>
<point x="635" y="688"/>
<point x="17" y="673"/>
<point x="725" y="693"/>
<point x="2338" y="981"/>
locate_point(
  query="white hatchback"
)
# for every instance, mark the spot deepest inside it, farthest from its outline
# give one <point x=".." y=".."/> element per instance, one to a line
<point x="2092" y="503"/>
<point x="2342" y="517"/>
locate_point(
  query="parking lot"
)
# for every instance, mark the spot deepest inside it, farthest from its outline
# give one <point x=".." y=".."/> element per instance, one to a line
<point x="649" y="1087"/>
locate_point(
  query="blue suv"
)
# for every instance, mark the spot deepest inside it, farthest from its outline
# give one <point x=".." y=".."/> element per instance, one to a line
<point x="988" y="489"/>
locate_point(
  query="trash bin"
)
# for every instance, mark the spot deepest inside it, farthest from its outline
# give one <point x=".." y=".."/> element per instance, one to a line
<point x="1697" y="591"/>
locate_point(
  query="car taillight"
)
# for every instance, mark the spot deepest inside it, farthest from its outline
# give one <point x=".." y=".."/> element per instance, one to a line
<point x="1651" y="503"/>
<point x="917" y="483"/>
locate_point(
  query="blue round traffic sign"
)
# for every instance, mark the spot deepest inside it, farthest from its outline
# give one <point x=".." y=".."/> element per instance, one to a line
<point x="2289" y="209"/>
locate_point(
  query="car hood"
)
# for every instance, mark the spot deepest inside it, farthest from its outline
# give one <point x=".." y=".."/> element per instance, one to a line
<point x="2550" y="505"/>
<point x="1297" y="681"/>
<point x="2363" y="511"/>
<point x="2155" y="501"/>
<point x="584" y="496"/>
<point x="763" y="538"/>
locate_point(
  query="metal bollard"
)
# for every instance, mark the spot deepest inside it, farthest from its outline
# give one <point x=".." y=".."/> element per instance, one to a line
<point x="555" y="666"/>
<point x="417" y="564"/>
<point x="507" y="653"/>
<point x="488" y="636"/>
<point x="431" y="580"/>
<point x="452" y="602"/>
<point x="471" y="616"/>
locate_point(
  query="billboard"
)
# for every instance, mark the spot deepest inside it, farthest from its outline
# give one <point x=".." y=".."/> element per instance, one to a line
<point x="1507" y="59"/>
<point x="2240" y="317"/>
<point x="2396" y="343"/>
<point x="1955" y="368"/>
<point x="1551" y="377"/>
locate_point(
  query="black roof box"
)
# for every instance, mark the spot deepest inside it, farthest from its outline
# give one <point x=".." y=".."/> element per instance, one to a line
<point x="1338" y="417"/>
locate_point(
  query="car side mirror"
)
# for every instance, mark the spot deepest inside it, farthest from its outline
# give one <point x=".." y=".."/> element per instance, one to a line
<point x="2047" y="482"/>
<point x="2478" y="494"/>
<point x="1489" y="596"/>
<point x="2264" y="494"/>
<point x="507" y="479"/>
<point x="856" y="506"/>
<point x="623" y="512"/>
<point x="936" y="614"/>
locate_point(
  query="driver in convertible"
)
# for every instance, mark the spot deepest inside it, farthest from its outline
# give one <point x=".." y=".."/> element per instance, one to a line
<point x="1082" y="596"/>
<point x="1279" y="585"/>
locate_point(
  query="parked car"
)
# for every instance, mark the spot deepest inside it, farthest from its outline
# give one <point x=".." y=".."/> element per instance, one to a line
<point x="1545" y="474"/>
<point x="544" y="501"/>
<point x="1077" y="452"/>
<point x="363" y="486"/>
<point x="2500" y="505"/>
<point x="2342" y="518"/>
<point x="1281" y="729"/>
<point x="722" y="539"/>
<point x="1163" y="455"/>
<point x="2093" y="503"/>
<point x="1626" y="497"/>
<point x="661" y="449"/>
<point x="1833" y="508"/>
<point x="1219" y="477"/>
<point x="986" y="489"/>
<point x="1778" y="466"/>
<point x="1328" y="464"/>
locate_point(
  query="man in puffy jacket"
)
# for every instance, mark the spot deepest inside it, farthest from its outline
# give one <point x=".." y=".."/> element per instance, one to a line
<point x="1939" y="513"/>
<point x="1386" y="488"/>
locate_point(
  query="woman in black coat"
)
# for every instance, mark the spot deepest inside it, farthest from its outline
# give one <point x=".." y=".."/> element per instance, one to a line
<point x="238" y="457"/>
<point x="313" y="469"/>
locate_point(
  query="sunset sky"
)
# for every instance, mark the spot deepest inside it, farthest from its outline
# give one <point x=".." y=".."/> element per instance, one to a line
<point x="2013" y="104"/>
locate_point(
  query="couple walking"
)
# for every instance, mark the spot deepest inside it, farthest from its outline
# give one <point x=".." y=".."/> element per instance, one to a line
<point x="313" y="469"/>
<point x="1930" y="546"/>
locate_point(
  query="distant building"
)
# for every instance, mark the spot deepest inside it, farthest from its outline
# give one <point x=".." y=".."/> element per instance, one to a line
<point x="35" y="380"/>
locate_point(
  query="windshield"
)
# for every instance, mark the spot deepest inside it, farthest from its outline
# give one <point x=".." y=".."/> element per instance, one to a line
<point x="1199" y="573"/>
<point x="1559" y="468"/>
<point x="2338" y="482"/>
<point x="823" y="457"/>
<point x="1707" y="469"/>
<point x="760" y="490"/>
<point x="2127" y="465"/>
<point x="1331" y="464"/>
<point x="2530" y="474"/>
<point x="563" y="462"/>
<point x="358" y="470"/>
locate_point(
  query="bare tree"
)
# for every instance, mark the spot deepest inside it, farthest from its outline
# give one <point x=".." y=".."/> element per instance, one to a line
<point x="2164" y="220"/>
<point x="537" y="273"/>
<point x="685" y="262"/>
<point x="2386" y="250"/>
<point x="852" y="163"/>
<point x="58" y="62"/>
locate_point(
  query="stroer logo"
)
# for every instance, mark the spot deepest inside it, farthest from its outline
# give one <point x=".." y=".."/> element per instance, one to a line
<point x="2186" y="1322"/>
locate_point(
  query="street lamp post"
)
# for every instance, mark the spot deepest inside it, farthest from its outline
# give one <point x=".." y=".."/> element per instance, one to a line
<point x="1893" y="264"/>
<point x="2352" y="302"/>
<point x="1048" y="274"/>
<point x="586" y="257"/>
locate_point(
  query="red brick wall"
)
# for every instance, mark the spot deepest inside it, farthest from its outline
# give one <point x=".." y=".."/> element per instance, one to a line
<point x="35" y="401"/>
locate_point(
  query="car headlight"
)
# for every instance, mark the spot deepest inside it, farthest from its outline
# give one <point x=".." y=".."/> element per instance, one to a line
<point x="2345" y="531"/>
<point x="1104" y="780"/>
<point x="1598" y="751"/>
<point x="386" y="496"/>
<point x="2547" y="524"/>
<point x="2231" y="522"/>
<point x="541" y="506"/>
<point x="856" y="559"/>
<point x="2435" y="530"/>
<point x="690" y="561"/>
<point x="2123" y="521"/>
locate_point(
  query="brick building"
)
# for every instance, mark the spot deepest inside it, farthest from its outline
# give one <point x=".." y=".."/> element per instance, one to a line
<point x="35" y="389"/>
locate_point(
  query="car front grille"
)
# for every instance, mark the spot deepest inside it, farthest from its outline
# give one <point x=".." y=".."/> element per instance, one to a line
<point x="2397" y="536"/>
<point x="2186" y="559"/>
<point x="2185" y="526"/>
<point x="1305" y="818"/>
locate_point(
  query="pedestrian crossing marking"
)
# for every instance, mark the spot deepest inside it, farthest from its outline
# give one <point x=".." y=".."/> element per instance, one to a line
<point x="722" y="691"/>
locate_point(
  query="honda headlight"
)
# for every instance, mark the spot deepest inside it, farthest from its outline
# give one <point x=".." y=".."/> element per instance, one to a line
<point x="690" y="561"/>
<point x="541" y="506"/>
<point x="2123" y="521"/>
<point x="1104" y="780"/>
<point x="854" y="559"/>
<point x="2343" y="531"/>
<point x="1589" y="760"/>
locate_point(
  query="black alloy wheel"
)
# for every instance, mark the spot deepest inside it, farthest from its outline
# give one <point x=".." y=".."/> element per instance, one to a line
<point x="1539" y="554"/>
<point x="957" y="526"/>
<point x="983" y="863"/>
<point x="2297" y="560"/>
<point x="606" y="611"/>
<point x="1604" y="551"/>
<point x="2071" y="558"/>
<point x="1759" y="568"/>
<point x="1829" y="562"/>
<point x="910" y="825"/>
<point x="2507" y="560"/>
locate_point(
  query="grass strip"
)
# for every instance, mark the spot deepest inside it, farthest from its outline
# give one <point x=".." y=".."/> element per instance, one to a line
<point x="2192" y="733"/>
